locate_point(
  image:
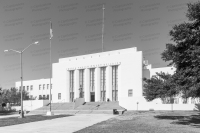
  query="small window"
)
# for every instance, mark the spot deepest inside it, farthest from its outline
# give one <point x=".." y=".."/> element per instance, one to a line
<point x="31" y="87"/>
<point x="40" y="97"/>
<point x="27" y="88"/>
<point x="39" y="87"/>
<point x="47" y="86"/>
<point x="59" y="95"/>
<point x="47" y="97"/>
<point x="43" y="86"/>
<point x="130" y="93"/>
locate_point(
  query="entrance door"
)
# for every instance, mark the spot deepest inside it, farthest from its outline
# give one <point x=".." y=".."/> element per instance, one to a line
<point x="92" y="96"/>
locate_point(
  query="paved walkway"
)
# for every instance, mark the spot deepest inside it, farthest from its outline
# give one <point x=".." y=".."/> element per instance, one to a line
<point x="59" y="125"/>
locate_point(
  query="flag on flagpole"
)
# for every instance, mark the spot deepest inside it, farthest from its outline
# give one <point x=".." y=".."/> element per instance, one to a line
<point x="51" y="31"/>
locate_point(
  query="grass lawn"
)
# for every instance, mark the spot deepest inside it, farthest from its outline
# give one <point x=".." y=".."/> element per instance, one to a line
<point x="31" y="118"/>
<point x="149" y="122"/>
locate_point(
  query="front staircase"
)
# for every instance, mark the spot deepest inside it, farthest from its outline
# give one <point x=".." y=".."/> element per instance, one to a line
<point x="85" y="108"/>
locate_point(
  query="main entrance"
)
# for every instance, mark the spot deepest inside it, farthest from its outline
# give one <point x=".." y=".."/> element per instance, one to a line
<point x="92" y="96"/>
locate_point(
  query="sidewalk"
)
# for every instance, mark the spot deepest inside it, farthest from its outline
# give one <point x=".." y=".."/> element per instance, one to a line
<point x="59" y="125"/>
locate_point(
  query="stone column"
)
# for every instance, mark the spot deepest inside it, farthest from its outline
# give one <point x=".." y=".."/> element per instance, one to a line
<point x="67" y="87"/>
<point x="109" y="83"/>
<point x="97" y="84"/>
<point x="76" y="84"/>
<point x="120" y="82"/>
<point x="86" y="85"/>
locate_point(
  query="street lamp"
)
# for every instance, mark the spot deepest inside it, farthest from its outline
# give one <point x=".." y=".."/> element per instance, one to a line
<point x="21" y="52"/>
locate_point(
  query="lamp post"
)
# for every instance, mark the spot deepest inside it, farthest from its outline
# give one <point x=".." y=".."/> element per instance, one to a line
<point x="21" y="52"/>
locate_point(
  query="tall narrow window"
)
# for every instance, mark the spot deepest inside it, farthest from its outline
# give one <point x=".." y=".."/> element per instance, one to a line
<point x="39" y="87"/>
<point x="103" y="83"/>
<point x="114" y="83"/>
<point x="71" y="85"/>
<point x="92" y="70"/>
<point x="31" y="87"/>
<point x="47" y="97"/>
<point x="81" y="83"/>
<point x="47" y="86"/>
<point x="130" y="93"/>
<point x="27" y="88"/>
<point x="43" y="86"/>
<point x="59" y="96"/>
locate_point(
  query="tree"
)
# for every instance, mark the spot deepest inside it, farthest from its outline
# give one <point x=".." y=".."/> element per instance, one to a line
<point x="184" y="53"/>
<point x="159" y="86"/>
<point x="13" y="96"/>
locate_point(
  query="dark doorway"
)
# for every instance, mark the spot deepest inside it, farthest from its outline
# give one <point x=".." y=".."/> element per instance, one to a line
<point x="92" y="96"/>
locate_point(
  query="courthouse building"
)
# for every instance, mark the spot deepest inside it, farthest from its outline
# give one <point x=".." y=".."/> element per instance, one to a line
<point x="113" y="75"/>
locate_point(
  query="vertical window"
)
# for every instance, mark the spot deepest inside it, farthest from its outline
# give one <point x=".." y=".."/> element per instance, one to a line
<point x="47" y="97"/>
<point x="103" y="83"/>
<point x="23" y="88"/>
<point x="92" y="78"/>
<point x="130" y="93"/>
<point x="31" y="87"/>
<point x="27" y="88"/>
<point x="43" y="86"/>
<point x="114" y="83"/>
<point x="39" y="87"/>
<point x="43" y="97"/>
<point x="47" y="86"/>
<point x="40" y="97"/>
<point x="59" y="96"/>
<point x="71" y="85"/>
<point x="81" y="83"/>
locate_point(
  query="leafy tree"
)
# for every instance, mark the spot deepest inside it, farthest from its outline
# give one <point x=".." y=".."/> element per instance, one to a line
<point x="13" y="96"/>
<point x="159" y="86"/>
<point x="184" y="55"/>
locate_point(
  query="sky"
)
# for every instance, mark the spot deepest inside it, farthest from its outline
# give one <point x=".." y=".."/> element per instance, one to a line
<point x="77" y="30"/>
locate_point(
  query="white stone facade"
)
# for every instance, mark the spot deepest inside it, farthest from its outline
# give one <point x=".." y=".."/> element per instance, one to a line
<point x="36" y="88"/>
<point x="117" y="74"/>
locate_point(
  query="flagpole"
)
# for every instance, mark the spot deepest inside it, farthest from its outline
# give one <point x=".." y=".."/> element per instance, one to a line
<point x="50" y="37"/>
<point x="103" y="28"/>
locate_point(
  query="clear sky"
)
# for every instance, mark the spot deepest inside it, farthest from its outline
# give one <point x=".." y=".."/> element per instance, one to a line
<point x="77" y="26"/>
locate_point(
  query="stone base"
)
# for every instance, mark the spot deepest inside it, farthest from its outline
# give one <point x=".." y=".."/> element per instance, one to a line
<point x="49" y="113"/>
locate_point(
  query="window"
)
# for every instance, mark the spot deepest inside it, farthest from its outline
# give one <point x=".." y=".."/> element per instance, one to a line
<point x="114" y="83"/>
<point x="31" y="87"/>
<point x="27" y="88"/>
<point x="23" y="88"/>
<point x="81" y="83"/>
<point x="39" y="87"/>
<point x="47" y="97"/>
<point x="103" y="83"/>
<point x="92" y="70"/>
<point x="43" y="86"/>
<point x="44" y="97"/>
<point x="40" y="97"/>
<point x="130" y="93"/>
<point x="59" y="95"/>
<point x="71" y="85"/>
<point x="31" y="96"/>
<point x="47" y="86"/>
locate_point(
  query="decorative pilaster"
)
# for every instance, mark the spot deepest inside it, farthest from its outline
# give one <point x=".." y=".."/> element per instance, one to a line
<point x="76" y="84"/>
<point x="109" y="83"/>
<point x="67" y="87"/>
<point x="86" y="85"/>
<point x="97" y="84"/>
